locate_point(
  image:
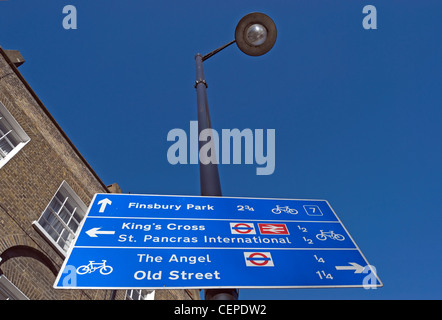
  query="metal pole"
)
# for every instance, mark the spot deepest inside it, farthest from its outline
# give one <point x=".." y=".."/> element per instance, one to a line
<point x="209" y="176"/>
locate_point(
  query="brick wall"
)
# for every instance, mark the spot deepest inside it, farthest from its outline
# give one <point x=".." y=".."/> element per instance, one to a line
<point x="27" y="184"/>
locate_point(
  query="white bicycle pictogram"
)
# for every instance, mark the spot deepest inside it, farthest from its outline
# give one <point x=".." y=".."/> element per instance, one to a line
<point x="285" y="209"/>
<point x="93" y="266"/>
<point x="329" y="234"/>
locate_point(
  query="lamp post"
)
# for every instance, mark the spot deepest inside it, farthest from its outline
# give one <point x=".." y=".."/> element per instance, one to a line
<point x="255" y="35"/>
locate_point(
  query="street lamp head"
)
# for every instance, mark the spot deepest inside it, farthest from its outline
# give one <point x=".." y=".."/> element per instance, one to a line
<point x="255" y="34"/>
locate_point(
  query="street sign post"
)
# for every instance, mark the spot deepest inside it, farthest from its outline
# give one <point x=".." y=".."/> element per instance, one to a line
<point x="155" y="242"/>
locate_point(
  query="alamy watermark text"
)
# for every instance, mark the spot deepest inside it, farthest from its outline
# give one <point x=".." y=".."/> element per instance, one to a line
<point x="186" y="150"/>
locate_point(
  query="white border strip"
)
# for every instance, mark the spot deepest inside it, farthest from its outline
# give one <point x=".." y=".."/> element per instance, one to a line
<point x="204" y="219"/>
<point x="212" y="248"/>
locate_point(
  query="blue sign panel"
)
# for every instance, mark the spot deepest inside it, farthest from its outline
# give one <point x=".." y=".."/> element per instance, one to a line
<point x="154" y="242"/>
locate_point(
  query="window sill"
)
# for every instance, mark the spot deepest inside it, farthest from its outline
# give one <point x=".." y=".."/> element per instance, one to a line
<point x="49" y="239"/>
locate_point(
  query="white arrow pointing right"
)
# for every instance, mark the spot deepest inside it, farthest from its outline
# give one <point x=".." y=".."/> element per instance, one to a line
<point x="354" y="266"/>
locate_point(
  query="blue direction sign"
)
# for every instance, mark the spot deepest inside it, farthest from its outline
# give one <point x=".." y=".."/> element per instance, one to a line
<point x="154" y="241"/>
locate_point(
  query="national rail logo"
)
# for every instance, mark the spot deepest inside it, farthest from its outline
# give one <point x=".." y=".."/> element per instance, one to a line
<point x="273" y="228"/>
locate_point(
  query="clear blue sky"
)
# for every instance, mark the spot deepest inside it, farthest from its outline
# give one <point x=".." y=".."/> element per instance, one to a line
<point x="357" y="113"/>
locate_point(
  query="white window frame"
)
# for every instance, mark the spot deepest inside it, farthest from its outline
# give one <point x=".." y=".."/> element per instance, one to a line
<point x="79" y="209"/>
<point x="140" y="294"/>
<point x="9" y="290"/>
<point x="13" y="129"/>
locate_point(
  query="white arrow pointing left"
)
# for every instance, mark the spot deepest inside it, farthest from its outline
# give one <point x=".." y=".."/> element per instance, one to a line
<point x="104" y="203"/>
<point x="94" y="231"/>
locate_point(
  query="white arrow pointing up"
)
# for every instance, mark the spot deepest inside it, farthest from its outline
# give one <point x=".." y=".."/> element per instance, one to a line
<point x="354" y="266"/>
<point x="104" y="203"/>
<point x="94" y="231"/>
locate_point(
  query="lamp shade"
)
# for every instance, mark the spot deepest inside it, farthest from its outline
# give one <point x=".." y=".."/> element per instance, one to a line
<point x="255" y="34"/>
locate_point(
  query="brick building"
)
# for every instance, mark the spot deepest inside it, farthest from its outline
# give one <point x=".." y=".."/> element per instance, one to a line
<point x="46" y="186"/>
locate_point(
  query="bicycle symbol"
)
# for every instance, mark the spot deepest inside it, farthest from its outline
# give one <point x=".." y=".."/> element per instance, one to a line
<point x="330" y="234"/>
<point x="285" y="209"/>
<point x="92" y="266"/>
